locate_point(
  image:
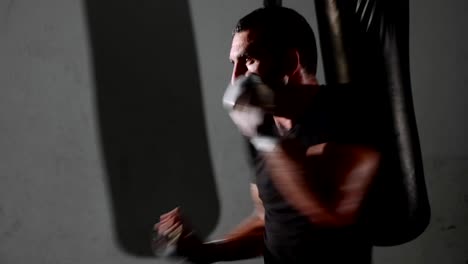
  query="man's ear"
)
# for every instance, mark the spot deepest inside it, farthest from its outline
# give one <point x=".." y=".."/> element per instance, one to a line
<point x="292" y="62"/>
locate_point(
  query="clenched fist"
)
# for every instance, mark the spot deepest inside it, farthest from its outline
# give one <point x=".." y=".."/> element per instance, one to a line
<point x="172" y="237"/>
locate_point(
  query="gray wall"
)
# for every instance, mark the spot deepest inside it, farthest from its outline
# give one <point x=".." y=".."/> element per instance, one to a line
<point x="55" y="198"/>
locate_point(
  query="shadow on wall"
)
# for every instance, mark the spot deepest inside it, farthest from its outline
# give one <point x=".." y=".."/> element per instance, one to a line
<point x="151" y="117"/>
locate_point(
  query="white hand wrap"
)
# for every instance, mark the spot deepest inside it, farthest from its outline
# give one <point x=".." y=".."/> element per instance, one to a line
<point x="264" y="143"/>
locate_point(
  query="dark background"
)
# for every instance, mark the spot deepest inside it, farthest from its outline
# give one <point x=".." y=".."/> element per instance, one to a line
<point x="97" y="101"/>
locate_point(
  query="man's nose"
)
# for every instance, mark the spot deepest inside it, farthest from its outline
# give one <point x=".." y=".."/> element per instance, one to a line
<point x="238" y="71"/>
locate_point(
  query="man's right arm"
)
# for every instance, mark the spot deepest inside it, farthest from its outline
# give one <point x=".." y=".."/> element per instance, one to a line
<point x="245" y="241"/>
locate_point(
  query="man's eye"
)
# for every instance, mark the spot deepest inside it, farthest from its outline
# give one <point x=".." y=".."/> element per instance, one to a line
<point x="249" y="60"/>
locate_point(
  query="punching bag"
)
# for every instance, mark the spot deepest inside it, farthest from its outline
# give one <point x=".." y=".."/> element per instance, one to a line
<point x="366" y="42"/>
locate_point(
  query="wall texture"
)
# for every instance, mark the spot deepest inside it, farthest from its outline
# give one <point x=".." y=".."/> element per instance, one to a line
<point x="57" y="203"/>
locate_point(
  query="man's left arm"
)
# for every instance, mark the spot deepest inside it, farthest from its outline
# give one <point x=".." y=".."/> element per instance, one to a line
<point x="352" y="167"/>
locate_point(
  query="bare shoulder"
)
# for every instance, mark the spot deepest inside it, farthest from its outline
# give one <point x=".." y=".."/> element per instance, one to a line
<point x="344" y="151"/>
<point x="344" y="161"/>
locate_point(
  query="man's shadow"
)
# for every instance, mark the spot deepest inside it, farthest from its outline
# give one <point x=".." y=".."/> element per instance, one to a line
<point x="151" y="119"/>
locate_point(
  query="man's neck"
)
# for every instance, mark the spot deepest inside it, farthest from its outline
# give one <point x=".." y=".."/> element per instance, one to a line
<point x="296" y="103"/>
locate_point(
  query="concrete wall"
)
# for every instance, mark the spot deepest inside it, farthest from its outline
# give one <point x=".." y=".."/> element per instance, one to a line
<point x="63" y="154"/>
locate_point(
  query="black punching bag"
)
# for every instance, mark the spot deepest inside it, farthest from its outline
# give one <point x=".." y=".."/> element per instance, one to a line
<point x="366" y="43"/>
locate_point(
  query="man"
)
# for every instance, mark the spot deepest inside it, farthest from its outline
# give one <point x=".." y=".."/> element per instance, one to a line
<point x="318" y="162"/>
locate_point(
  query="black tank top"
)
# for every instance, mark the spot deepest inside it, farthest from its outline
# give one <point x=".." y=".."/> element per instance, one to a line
<point x="337" y="114"/>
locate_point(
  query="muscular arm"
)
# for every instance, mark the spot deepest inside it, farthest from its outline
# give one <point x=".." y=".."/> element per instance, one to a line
<point x="352" y="168"/>
<point x="245" y="241"/>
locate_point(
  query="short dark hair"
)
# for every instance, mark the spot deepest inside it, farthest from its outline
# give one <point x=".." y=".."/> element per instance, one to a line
<point x="283" y="28"/>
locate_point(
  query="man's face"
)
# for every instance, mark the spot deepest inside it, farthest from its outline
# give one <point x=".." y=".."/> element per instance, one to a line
<point x="248" y="55"/>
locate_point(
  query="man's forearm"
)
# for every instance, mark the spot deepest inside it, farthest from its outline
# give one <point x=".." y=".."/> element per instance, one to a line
<point x="350" y="167"/>
<point x="244" y="242"/>
<point x="245" y="247"/>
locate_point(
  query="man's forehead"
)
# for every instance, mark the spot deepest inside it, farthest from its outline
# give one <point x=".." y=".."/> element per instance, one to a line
<point x="240" y="42"/>
<point x="247" y="35"/>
